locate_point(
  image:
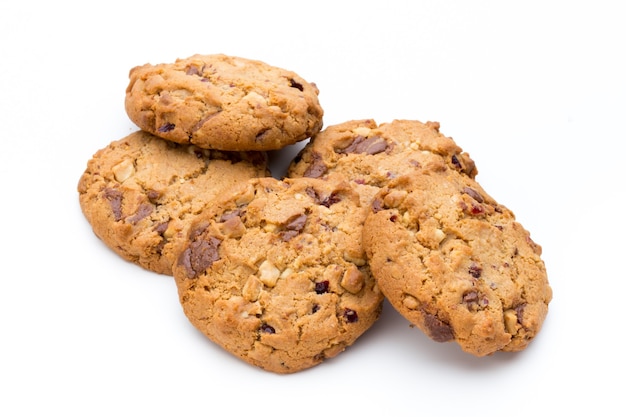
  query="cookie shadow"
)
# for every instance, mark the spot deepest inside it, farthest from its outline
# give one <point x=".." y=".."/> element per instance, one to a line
<point x="408" y="342"/>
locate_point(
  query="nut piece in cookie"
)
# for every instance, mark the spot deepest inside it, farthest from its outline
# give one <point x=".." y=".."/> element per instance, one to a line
<point x="275" y="273"/>
<point x="456" y="263"/>
<point x="223" y="102"/>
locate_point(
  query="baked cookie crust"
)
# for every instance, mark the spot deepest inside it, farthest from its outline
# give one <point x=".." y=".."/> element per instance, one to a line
<point x="141" y="192"/>
<point x="456" y="263"/>
<point x="223" y="102"/>
<point x="371" y="154"/>
<point x="276" y="273"/>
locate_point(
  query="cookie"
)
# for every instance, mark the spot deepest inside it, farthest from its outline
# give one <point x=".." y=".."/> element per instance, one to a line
<point x="141" y="192"/>
<point x="223" y="102"/>
<point x="276" y="273"/>
<point x="457" y="264"/>
<point x="371" y="155"/>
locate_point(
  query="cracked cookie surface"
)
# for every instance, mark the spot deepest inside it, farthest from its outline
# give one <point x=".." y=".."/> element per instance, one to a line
<point x="276" y="273"/>
<point x="223" y="102"/>
<point x="141" y="192"/>
<point x="456" y="263"/>
<point x="371" y="155"/>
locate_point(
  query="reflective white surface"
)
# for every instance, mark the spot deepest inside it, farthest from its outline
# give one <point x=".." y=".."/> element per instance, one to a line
<point x="534" y="91"/>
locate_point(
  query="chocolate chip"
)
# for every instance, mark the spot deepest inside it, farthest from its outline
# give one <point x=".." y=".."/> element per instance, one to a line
<point x="200" y="255"/>
<point x="143" y="211"/>
<point x="438" y="330"/>
<point x="475" y="270"/>
<point x="321" y="287"/>
<point x="370" y="146"/>
<point x="293" y="83"/>
<point x="519" y="311"/>
<point x="266" y="328"/>
<point x="350" y="315"/>
<point x="456" y="162"/>
<point x="166" y="127"/>
<point x="115" y="200"/>
<point x="467" y="166"/>
<point x="261" y="134"/>
<point x="470" y="297"/>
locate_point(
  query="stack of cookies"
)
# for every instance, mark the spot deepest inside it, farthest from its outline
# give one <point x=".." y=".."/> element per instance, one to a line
<point x="284" y="273"/>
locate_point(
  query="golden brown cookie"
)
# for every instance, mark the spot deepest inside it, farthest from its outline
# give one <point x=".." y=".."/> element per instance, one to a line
<point x="456" y="263"/>
<point x="223" y="102"/>
<point x="371" y="155"/>
<point x="276" y="273"/>
<point x="141" y="192"/>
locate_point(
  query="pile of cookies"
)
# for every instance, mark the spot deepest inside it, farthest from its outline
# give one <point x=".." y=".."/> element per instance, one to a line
<point x="285" y="273"/>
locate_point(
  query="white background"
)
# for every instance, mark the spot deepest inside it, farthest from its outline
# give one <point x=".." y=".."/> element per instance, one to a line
<point x="534" y="91"/>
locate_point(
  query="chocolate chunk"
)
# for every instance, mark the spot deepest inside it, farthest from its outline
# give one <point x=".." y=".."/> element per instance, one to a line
<point x="230" y="215"/>
<point x="437" y="329"/>
<point x="143" y="211"/>
<point x="370" y="146"/>
<point x="296" y="223"/>
<point x="287" y="235"/>
<point x="161" y="227"/>
<point x="153" y="195"/>
<point x="166" y="127"/>
<point x="201" y="122"/>
<point x="475" y="301"/>
<point x="331" y="199"/>
<point x="199" y="255"/>
<point x="317" y="168"/>
<point x="194" y="70"/>
<point x="115" y="200"/>
<point x="474" y="194"/>
<point x="261" y="134"/>
<point x="293" y="227"/>
<point x="323" y="201"/>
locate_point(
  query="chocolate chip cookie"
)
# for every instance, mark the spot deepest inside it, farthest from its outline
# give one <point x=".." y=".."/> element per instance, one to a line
<point x="456" y="263"/>
<point x="141" y="192"/>
<point x="223" y="102"/>
<point x="276" y="273"/>
<point x="371" y="155"/>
